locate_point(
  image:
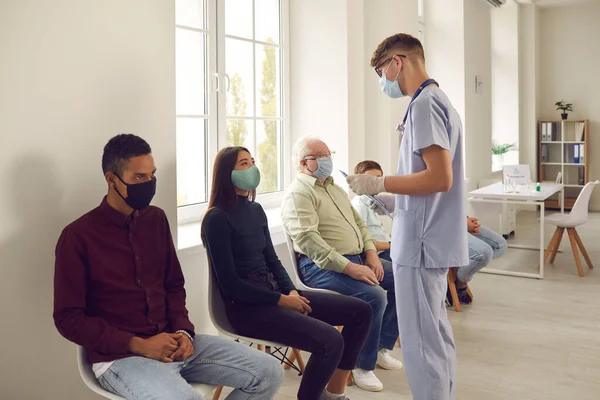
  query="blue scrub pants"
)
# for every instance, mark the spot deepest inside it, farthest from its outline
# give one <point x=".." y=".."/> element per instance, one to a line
<point x="425" y="332"/>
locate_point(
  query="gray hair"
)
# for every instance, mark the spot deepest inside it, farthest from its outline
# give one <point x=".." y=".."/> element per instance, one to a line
<point x="301" y="150"/>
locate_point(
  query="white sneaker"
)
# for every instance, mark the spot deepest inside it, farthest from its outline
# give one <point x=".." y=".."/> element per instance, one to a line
<point x="366" y="380"/>
<point x="386" y="361"/>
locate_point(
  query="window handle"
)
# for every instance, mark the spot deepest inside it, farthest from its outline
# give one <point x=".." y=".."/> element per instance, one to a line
<point x="228" y="82"/>
<point x="217" y="80"/>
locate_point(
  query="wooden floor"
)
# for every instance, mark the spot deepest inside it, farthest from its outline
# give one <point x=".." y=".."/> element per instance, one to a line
<point x="522" y="338"/>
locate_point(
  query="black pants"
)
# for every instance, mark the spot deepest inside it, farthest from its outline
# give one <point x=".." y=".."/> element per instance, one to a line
<point x="314" y="333"/>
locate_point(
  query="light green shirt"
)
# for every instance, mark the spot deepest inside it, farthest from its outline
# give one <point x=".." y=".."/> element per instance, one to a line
<point x="322" y="223"/>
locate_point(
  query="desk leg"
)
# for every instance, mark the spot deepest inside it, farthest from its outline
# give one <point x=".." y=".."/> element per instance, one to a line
<point x="542" y="226"/>
<point x="562" y="211"/>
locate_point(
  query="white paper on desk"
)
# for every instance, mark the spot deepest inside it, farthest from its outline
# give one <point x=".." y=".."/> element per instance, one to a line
<point x="518" y="174"/>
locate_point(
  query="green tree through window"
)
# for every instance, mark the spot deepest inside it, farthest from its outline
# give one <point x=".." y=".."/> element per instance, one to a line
<point x="237" y="130"/>
<point x="267" y="149"/>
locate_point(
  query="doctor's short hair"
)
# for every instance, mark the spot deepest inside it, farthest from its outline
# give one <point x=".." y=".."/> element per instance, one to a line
<point x="398" y="43"/>
<point x="301" y="150"/>
<point x="367" y="165"/>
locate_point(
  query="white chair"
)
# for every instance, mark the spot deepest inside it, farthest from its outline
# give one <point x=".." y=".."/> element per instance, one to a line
<point x="296" y="275"/>
<point x="218" y="316"/>
<point x="578" y="216"/>
<point x="88" y="377"/>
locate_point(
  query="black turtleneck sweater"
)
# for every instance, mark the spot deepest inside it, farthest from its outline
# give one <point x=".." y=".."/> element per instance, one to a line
<point x="239" y="243"/>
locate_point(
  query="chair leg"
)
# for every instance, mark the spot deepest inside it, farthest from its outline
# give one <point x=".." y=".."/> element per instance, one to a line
<point x="583" y="251"/>
<point x="453" y="292"/>
<point x="299" y="359"/>
<point x="555" y="251"/>
<point x="217" y="393"/>
<point x="551" y="246"/>
<point x="575" y="250"/>
<point x="291" y="359"/>
<point x="469" y="292"/>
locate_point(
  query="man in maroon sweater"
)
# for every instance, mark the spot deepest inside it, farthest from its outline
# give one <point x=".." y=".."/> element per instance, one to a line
<point x="119" y="293"/>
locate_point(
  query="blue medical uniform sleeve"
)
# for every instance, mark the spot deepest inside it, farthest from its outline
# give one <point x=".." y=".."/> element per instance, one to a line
<point x="429" y="119"/>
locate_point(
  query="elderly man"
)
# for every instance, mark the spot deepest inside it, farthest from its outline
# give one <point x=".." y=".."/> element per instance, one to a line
<point x="336" y="252"/>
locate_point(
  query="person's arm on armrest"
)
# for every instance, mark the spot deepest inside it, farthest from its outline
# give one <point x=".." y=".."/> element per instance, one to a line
<point x="70" y="293"/>
<point x="175" y="288"/>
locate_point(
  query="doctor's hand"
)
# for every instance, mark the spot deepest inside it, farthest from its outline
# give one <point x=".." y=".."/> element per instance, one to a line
<point x="366" y="184"/>
<point x="388" y="199"/>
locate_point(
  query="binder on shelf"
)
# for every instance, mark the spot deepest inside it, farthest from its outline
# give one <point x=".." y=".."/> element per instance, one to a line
<point x="544" y="131"/>
<point x="576" y="154"/>
<point x="581" y="151"/>
<point x="579" y="131"/>
<point x="581" y="177"/>
<point x="544" y="153"/>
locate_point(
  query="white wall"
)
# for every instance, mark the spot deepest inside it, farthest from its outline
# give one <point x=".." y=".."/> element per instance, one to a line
<point x="384" y="18"/>
<point x="529" y="78"/>
<point x="569" y="59"/>
<point x="319" y="73"/>
<point x="478" y="106"/>
<point x="72" y="75"/>
<point x="505" y="77"/>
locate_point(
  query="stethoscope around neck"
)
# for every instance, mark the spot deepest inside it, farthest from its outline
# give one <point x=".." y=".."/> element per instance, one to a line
<point x="400" y="127"/>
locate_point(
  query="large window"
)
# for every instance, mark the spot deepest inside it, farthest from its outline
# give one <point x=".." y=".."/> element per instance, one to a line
<point x="230" y="91"/>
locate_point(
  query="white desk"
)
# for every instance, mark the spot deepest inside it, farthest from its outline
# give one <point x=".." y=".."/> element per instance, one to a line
<point x="495" y="194"/>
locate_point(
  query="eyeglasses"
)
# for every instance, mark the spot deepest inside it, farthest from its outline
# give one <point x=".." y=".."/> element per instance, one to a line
<point x="378" y="68"/>
<point x="321" y="155"/>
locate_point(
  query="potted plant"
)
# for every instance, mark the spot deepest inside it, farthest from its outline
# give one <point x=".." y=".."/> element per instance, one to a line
<point x="498" y="151"/>
<point x="564" y="107"/>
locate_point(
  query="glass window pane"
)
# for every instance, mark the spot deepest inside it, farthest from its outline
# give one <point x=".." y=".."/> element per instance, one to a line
<point x="190" y="13"/>
<point x="266" y="13"/>
<point x="268" y="81"/>
<point x="240" y="132"/>
<point x="238" y="18"/>
<point x="190" y="72"/>
<point x="239" y="68"/>
<point x="268" y="140"/>
<point x="191" y="161"/>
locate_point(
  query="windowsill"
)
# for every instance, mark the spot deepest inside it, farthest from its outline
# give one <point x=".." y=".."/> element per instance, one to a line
<point x="188" y="235"/>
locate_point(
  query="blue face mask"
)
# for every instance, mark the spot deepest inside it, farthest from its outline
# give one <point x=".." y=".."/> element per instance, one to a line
<point x="246" y="179"/>
<point x="325" y="168"/>
<point x="392" y="89"/>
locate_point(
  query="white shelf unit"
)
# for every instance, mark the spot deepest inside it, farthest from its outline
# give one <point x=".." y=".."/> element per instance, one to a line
<point x="558" y="142"/>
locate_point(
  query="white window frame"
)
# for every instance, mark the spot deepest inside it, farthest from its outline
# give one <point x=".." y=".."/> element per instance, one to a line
<point x="421" y="19"/>
<point x="217" y="124"/>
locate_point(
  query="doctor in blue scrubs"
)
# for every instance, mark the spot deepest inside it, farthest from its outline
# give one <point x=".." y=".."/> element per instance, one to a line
<point x="428" y="235"/>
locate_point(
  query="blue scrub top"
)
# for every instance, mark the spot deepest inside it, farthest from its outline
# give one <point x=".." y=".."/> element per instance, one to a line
<point x="431" y="231"/>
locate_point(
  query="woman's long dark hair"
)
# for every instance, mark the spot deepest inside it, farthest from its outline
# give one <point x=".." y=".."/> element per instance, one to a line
<point x="222" y="193"/>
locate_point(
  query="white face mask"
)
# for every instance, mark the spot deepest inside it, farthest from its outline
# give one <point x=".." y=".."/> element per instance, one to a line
<point x="392" y="89"/>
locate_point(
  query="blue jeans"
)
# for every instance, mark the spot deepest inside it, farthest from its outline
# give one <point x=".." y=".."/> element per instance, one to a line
<point x="382" y="298"/>
<point x="216" y="361"/>
<point x="385" y="255"/>
<point x="483" y="248"/>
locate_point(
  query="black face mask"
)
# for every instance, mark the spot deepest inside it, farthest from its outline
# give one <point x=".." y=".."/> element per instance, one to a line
<point x="139" y="195"/>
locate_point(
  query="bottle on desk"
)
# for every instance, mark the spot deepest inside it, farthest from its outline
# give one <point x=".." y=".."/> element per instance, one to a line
<point x="538" y="187"/>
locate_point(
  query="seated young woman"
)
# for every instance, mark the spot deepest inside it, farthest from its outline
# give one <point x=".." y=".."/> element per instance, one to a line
<point x="262" y="302"/>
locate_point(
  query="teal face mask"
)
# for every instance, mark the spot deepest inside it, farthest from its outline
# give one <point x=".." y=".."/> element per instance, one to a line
<point x="246" y="179"/>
